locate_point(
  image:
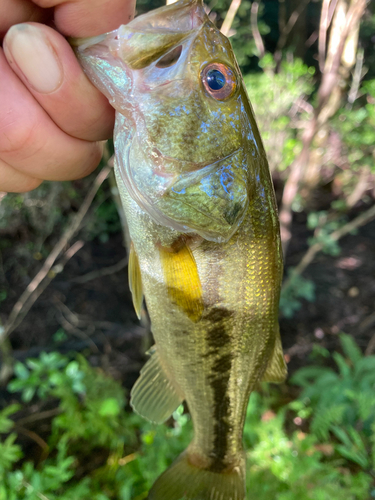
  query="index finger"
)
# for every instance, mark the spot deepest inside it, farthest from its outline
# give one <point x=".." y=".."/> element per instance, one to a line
<point x="83" y="18"/>
<point x="19" y="11"/>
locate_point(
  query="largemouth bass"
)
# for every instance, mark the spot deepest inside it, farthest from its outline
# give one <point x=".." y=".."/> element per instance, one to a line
<point x="205" y="253"/>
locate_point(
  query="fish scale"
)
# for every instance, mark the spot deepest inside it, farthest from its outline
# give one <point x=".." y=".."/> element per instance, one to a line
<point x="205" y="253"/>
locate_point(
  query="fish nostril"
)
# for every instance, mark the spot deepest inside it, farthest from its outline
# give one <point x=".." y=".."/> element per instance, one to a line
<point x="170" y="59"/>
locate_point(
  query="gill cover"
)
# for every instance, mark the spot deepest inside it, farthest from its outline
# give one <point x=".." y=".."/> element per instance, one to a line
<point x="175" y="83"/>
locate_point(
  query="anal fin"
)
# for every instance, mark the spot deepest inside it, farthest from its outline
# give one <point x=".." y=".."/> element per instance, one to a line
<point x="182" y="280"/>
<point x="154" y="395"/>
<point x="135" y="280"/>
<point x="276" y="371"/>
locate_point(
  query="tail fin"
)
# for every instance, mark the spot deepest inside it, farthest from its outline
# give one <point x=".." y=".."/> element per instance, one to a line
<point x="183" y="481"/>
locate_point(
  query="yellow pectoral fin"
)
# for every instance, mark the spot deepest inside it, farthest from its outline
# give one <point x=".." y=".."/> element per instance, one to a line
<point x="135" y="281"/>
<point x="276" y="370"/>
<point x="182" y="280"/>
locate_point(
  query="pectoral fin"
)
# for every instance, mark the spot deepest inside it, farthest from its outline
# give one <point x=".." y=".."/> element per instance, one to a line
<point x="182" y="280"/>
<point x="135" y="281"/>
<point x="276" y="370"/>
<point x="154" y="395"/>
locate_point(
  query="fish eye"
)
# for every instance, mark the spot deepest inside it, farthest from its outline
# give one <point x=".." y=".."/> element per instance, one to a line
<point x="170" y="59"/>
<point x="219" y="81"/>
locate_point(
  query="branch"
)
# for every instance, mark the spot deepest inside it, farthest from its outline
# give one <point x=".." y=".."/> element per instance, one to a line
<point x="329" y="79"/>
<point x="361" y="220"/>
<point x="229" y="18"/>
<point x="357" y="76"/>
<point x="104" y="271"/>
<point x="325" y="21"/>
<point x="34" y="436"/>
<point x="48" y="272"/>
<point x="255" y="30"/>
<point x="287" y="29"/>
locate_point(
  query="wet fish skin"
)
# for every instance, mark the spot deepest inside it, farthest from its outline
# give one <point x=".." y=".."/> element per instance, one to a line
<point x="199" y="201"/>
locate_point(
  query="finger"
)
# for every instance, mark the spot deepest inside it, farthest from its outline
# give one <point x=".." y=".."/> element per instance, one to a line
<point x="12" y="181"/>
<point x="19" y="11"/>
<point x="46" y="64"/>
<point x="32" y="143"/>
<point x="80" y="18"/>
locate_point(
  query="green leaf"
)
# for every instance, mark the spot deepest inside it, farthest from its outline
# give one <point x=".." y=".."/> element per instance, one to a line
<point x="109" y="408"/>
<point x="350" y="348"/>
<point x="342" y="365"/>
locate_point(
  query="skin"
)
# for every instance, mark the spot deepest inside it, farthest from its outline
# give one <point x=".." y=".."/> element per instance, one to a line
<point x="56" y="135"/>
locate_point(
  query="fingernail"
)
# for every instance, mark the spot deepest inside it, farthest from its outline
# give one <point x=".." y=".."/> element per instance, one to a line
<point x="35" y="57"/>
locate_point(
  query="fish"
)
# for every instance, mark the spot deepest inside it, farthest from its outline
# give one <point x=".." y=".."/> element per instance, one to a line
<point x="205" y="251"/>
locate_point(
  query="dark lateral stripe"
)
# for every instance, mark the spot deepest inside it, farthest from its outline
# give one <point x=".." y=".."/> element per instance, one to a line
<point x="218" y="340"/>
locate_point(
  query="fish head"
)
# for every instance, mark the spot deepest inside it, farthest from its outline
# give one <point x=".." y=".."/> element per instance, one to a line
<point x="182" y="102"/>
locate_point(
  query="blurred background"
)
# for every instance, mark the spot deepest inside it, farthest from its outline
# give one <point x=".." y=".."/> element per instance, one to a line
<point x="71" y="345"/>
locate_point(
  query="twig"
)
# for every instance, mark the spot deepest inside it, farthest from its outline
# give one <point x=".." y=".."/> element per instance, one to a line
<point x="32" y="293"/>
<point x="323" y="27"/>
<point x="312" y="39"/>
<point x="34" y="417"/>
<point x="70" y="322"/>
<point x="282" y="15"/>
<point x="360" y="189"/>
<point x="255" y="30"/>
<point x="357" y="75"/>
<point x="38" y="494"/>
<point x="287" y="29"/>
<point x="77" y="332"/>
<point x="329" y="79"/>
<point x="367" y="323"/>
<point x="47" y="273"/>
<point x="229" y="18"/>
<point x="105" y="271"/>
<point x="34" y="436"/>
<point x="361" y="220"/>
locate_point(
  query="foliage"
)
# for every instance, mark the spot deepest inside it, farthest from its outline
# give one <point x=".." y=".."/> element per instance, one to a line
<point x="344" y="402"/>
<point x="241" y="36"/>
<point x="278" y="100"/>
<point x="324" y="225"/>
<point x="355" y="124"/>
<point x="294" y="467"/>
<point x="291" y="295"/>
<point x="92" y="422"/>
<point x="129" y="453"/>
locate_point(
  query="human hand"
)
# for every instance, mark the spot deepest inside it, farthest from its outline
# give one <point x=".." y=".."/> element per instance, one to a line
<point x="52" y="118"/>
